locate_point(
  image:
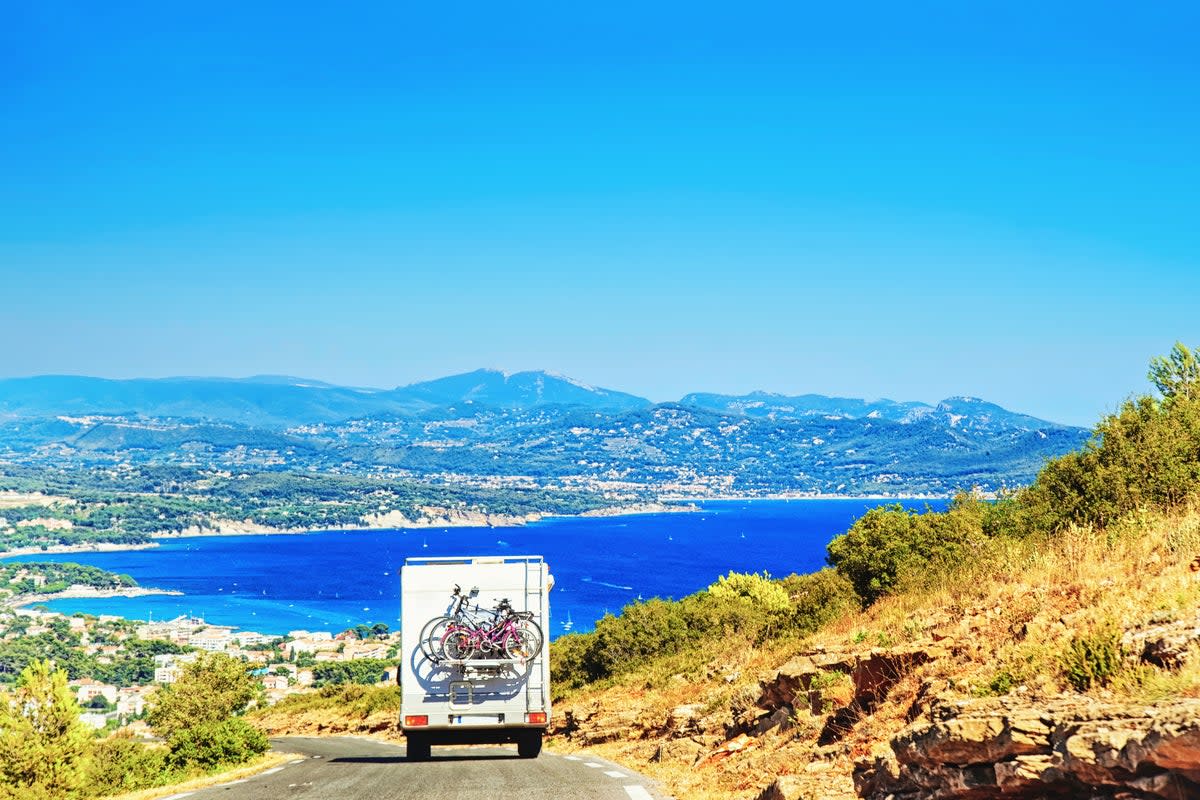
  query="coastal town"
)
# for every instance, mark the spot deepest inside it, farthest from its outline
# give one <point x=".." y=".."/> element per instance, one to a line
<point x="115" y="665"/>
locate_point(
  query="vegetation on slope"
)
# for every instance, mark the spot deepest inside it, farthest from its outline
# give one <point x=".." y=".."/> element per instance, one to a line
<point x="46" y="753"/>
<point x="1047" y="592"/>
<point x="35" y="577"/>
<point x="347" y="708"/>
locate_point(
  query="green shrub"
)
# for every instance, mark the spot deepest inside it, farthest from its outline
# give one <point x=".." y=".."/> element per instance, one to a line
<point x="1093" y="659"/>
<point x="818" y="598"/>
<point x="119" y="764"/>
<point x="1001" y="683"/>
<point x="209" y="745"/>
<point x="1145" y="456"/>
<point x="890" y="543"/>
<point x="366" y="671"/>
<point x="752" y="607"/>
<point x="757" y="589"/>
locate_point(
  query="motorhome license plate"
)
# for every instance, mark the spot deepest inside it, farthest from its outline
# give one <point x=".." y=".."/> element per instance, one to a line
<point x="475" y="719"/>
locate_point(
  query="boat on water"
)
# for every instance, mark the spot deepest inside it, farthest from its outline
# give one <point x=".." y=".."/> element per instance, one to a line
<point x="566" y="626"/>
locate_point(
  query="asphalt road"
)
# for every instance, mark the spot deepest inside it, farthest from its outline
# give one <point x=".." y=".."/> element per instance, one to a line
<point x="350" y="768"/>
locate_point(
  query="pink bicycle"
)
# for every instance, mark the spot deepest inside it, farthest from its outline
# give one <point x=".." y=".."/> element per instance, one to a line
<point x="505" y="633"/>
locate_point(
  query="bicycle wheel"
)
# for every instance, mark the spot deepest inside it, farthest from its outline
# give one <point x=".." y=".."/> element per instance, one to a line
<point x="431" y="638"/>
<point x="458" y="645"/>
<point x="536" y="630"/>
<point x="521" y="644"/>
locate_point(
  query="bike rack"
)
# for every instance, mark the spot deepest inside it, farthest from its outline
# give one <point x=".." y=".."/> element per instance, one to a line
<point x="486" y="666"/>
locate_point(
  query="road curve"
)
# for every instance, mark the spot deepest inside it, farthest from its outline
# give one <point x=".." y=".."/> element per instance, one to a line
<point x="351" y="768"/>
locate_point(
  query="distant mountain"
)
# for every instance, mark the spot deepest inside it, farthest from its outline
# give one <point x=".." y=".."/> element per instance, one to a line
<point x="259" y="402"/>
<point x="535" y="426"/>
<point x="275" y="401"/>
<point x="518" y="390"/>
<point x="779" y="406"/>
<point x="965" y="413"/>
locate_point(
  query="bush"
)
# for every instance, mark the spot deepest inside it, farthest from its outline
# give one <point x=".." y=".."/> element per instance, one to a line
<point x="209" y="745"/>
<point x="818" y="598"/>
<point x="748" y="606"/>
<point x="890" y="543"/>
<point x="1146" y="456"/>
<point x="1093" y="659"/>
<point x="364" y="671"/>
<point x="757" y="589"/>
<point x="119" y="765"/>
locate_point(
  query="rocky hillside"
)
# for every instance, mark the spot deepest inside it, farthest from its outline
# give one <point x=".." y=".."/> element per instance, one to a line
<point x="1066" y="671"/>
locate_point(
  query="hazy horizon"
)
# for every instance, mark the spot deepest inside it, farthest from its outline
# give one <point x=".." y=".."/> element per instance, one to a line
<point x="312" y="380"/>
<point x="868" y="202"/>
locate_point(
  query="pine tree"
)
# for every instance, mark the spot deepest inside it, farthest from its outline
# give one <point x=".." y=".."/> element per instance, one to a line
<point x="43" y="744"/>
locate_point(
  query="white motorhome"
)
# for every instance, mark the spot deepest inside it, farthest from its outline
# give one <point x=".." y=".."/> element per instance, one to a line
<point x="486" y="699"/>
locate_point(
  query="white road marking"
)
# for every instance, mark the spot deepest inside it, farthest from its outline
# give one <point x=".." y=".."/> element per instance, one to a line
<point x="295" y="760"/>
<point x="636" y="792"/>
<point x="179" y="796"/>
<point x="612" y="773"/>
<point x="573" y="758"/>
<point x="592" y="764"/>
<point x="271" y="771"/>
<point x="233" y="783"/>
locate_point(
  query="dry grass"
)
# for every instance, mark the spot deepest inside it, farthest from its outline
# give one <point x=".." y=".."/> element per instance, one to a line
<point x="360" y="710"/>
<point x="1009" y="615"/>
<point x="1015" y="607"/>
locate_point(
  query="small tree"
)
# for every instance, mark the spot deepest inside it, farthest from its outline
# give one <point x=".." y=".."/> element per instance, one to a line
<point x="1176" y="374"/>
<point x="43" y="745"/>
<point x="211" y="689"/>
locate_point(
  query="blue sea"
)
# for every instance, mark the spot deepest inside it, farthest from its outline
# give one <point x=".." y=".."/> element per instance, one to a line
<point x="337" y="579"/>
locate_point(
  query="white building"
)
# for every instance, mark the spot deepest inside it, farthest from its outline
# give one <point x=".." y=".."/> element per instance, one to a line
<point x="168" y="674"/>
<point x="211" y="641"/>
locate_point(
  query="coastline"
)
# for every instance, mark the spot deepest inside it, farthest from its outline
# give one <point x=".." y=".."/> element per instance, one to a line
<point x="94" y="547"/>
<point x="450" y="518"/>
<point x="442" y="518"/>
<point x="84" y="592"/>
<point x="808" y="496"/>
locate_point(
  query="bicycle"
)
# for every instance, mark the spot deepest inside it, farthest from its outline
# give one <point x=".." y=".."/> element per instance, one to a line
<point x="511" y="634"/>
<point x="462" y="634"/>
<point x="434" y="630"/>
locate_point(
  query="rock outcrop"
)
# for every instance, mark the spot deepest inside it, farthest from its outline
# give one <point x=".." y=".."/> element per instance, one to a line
<point x="1168" y="643"/>
<point x="1070" y="747"/>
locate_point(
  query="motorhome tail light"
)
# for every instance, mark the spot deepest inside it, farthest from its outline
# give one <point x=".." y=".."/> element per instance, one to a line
<point x="416" y="720"/>
<point x="537" y="717"/>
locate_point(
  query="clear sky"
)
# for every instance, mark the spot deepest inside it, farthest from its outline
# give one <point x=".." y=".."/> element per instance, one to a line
<point x="905" y="200"/>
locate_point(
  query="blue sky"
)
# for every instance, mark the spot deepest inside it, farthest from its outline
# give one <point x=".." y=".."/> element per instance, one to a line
<point x="909" y="201"/>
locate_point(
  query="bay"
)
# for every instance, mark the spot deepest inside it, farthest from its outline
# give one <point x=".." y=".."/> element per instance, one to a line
<point x="337" y="579"/>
